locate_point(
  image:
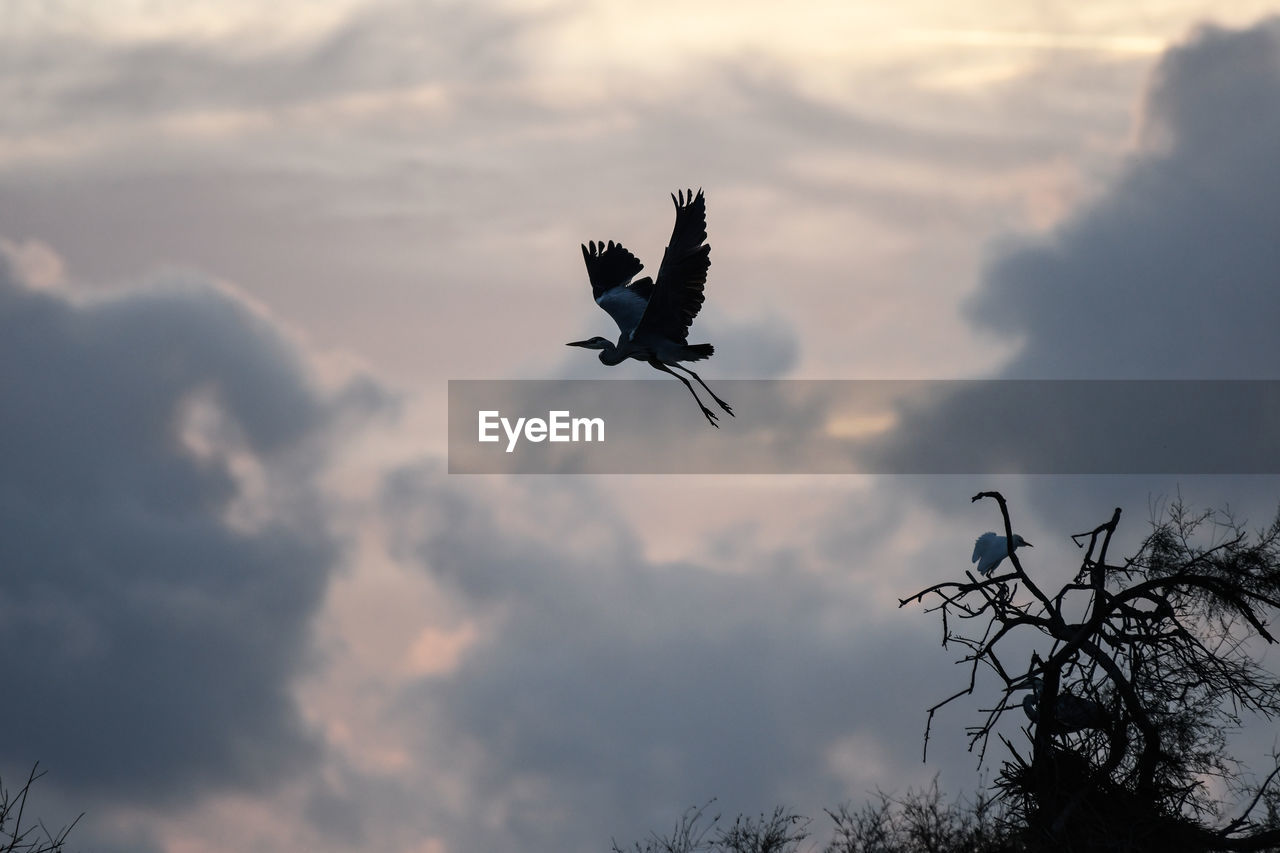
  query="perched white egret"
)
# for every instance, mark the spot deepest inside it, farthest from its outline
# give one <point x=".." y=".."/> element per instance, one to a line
<point x="989" y="549"/>
<point x="1071" y="713"/>
<point x="654" y="316"/>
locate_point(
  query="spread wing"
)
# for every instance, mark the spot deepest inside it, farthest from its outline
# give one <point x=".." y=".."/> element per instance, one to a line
<point x="677" y="294"/>
<point x="611" y="268"/>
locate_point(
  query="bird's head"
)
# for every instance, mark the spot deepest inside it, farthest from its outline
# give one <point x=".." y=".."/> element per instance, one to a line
<point x="590" y="343"/>
<point x="1018" y="542"/>
<point x="1031" y="702"/>
<point x="608" y="354"/>
<point x="1035" y="685"/>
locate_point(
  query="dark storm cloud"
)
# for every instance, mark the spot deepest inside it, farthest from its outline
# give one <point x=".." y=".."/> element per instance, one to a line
<point x="1175" y="272"/>
<point x="612" y="692"/>
<point x="152" y="623"/>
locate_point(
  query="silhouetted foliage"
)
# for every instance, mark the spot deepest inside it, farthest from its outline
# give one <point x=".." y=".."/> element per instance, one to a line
<point x="1161" y="652"/>
<point x="781" y="832"/>
<point x="919" y="822"/>
<point x="922" y="822"/>
<point x="17" y="837"/>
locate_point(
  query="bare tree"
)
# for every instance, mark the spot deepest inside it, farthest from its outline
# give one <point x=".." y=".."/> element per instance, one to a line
<point x="1147" y="665"/>
<point x="15" y="837"/>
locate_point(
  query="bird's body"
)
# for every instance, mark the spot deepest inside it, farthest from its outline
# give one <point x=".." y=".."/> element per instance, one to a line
<point x="1071" y="713"/>
<point x="654" y="316"/>
<point x="989" y="550"/>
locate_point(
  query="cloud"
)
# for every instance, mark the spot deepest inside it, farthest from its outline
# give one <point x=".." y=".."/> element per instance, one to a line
<point x="164" y="542"/>
<point x="609" y="692"/>
<point x="1175" y="271"/>
<point x="387" y="51"/>
<point x="762" y="348"/>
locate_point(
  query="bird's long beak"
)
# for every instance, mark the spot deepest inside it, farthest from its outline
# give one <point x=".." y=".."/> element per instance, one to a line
<point x="1028" y="544"/>
<point x="578" y="343"/>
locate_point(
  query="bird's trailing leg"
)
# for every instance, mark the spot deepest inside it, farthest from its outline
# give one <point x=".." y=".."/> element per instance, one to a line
<point x="722" y="403"/>
<point x="711" y="416"/>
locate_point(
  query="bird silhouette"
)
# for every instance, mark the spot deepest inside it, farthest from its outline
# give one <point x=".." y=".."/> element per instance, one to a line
<point x="989" y="549"/>
<point x="654" y="316"/>
<point x="1071" y="713"/>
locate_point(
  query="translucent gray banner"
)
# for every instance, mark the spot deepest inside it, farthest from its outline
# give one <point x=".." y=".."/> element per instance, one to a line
<point x="866" y="427"/>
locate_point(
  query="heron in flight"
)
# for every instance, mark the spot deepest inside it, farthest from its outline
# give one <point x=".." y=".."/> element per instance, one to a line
<point x="654" y="316"/>
<point x="989" y="549"/>
<point x="1071" y="713"/>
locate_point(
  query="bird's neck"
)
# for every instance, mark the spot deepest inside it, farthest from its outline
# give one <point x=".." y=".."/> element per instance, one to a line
<point x="611" y="354"/>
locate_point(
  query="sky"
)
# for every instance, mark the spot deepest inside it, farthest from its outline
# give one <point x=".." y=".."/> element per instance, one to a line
<point x="243" y="247"/>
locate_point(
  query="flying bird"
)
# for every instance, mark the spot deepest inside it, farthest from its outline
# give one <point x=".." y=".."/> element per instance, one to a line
<point x="989" y="549"/>
<point x="1071" y="713"/>
<point x="654" y="316"/>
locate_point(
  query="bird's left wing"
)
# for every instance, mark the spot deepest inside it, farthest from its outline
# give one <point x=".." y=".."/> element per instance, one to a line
<point x="609" y="265"/>
<point x="677" y="294"/>
<point x="611" y="268"/>
<point x="981" y="544"/>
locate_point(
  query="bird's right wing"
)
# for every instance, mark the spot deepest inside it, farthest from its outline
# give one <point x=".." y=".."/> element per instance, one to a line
<point x="981" y="544"/>
<point x="677" y="294"/>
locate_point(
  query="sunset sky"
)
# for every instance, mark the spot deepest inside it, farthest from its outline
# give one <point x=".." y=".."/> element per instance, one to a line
<point x="246" y="245"/>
